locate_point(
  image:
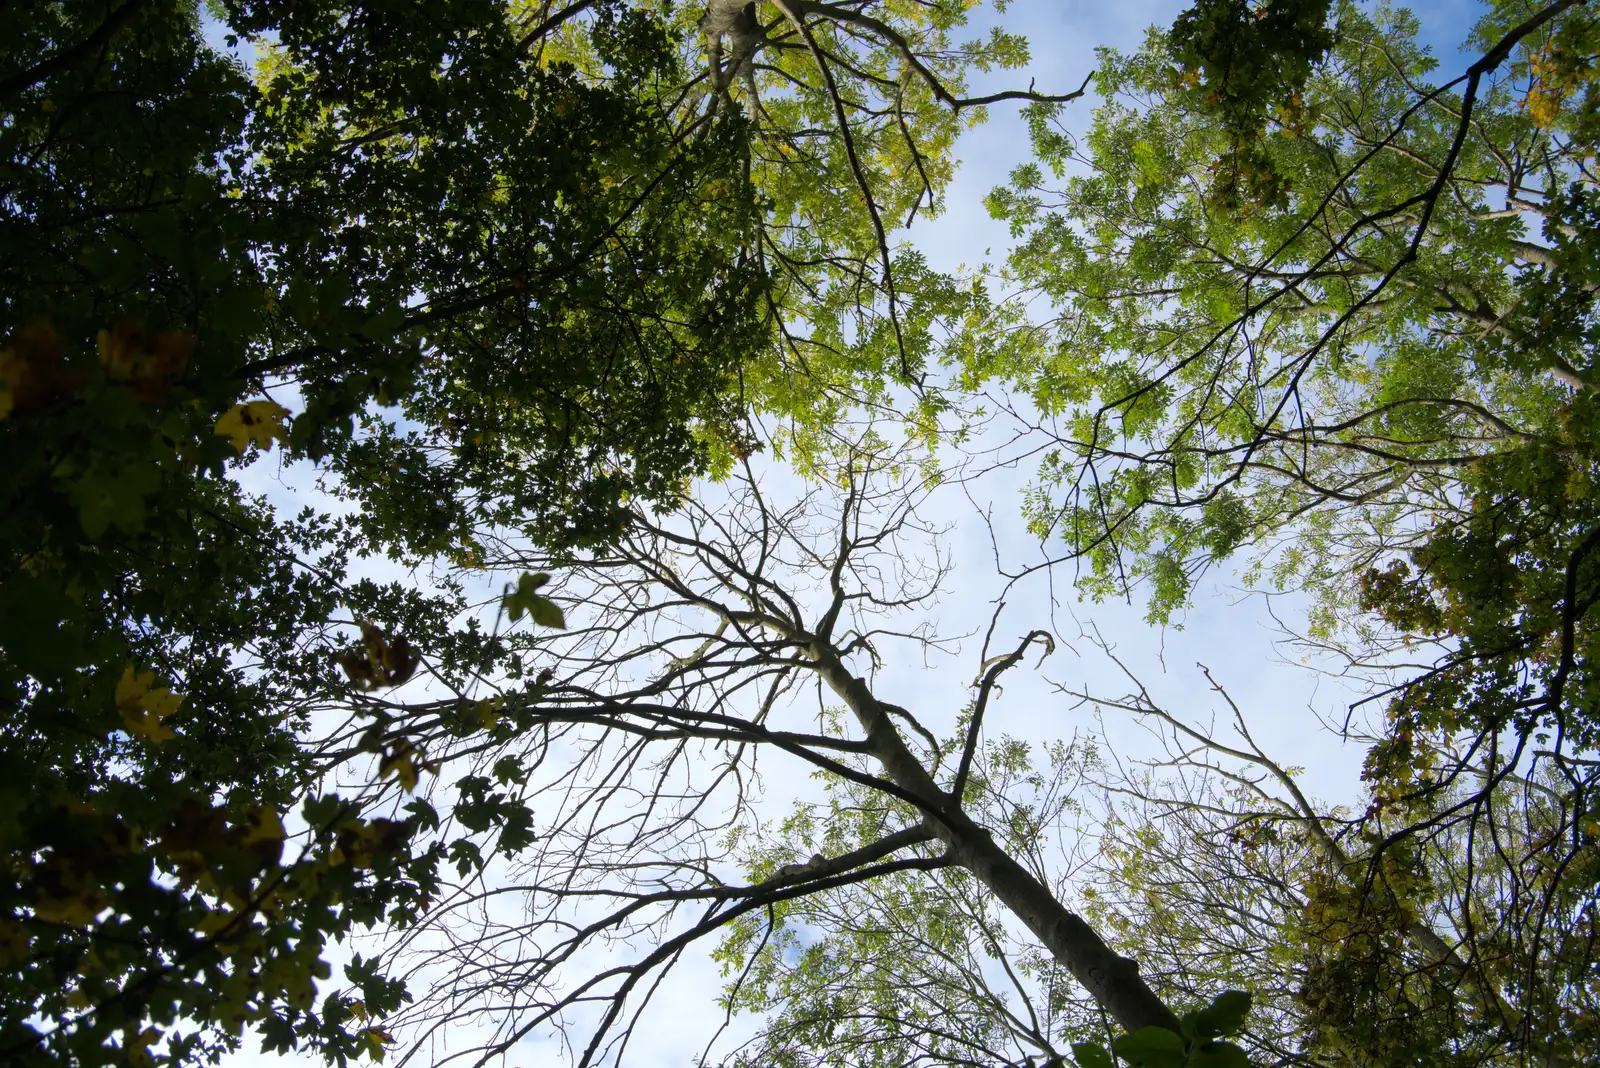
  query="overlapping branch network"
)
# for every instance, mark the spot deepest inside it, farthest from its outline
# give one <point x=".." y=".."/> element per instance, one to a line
<point x="1451" y="913"/>
<point x="737" y="635"/>
<point x="1306" y="351"/>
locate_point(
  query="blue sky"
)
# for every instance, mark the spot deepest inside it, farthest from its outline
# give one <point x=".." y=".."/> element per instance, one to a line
<point x="1234" y="636"/>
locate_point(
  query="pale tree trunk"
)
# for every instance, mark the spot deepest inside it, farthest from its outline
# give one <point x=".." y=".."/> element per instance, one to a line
<point x="1113" y="980"/>
<point x="736" y="21"/>
<point x="721" y="15"/>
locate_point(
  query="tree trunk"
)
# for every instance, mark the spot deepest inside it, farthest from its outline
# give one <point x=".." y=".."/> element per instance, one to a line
<point x="1112" y="980"/>
<point x="721" y="15"/>
<point x="736" y="21"/>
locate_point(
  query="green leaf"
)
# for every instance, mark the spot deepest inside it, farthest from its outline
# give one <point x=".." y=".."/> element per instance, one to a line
<point x="1151" y="1047"/>
<point x="526" y="599"/>
<point x="1224" y="1016"/>
<point x="385" y="324"/>
<point x="1218" y="1055"/>
<point x="546" y="613"/>
<point x="113" y="498"/>
<point x="1090" y="1055"/>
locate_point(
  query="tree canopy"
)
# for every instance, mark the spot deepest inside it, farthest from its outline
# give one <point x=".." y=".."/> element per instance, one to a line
<point x="618" y="398"/>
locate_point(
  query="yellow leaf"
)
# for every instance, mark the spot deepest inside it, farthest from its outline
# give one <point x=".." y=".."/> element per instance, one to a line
<point x="377" y="1039"/>
<point x="132" y="355"/>
<point x="132" y="687"/>
<point x="401" y="762"/>
<point x="31" y="376"/>
<point x="487" y="715"/>
<point x="266" y="827"/>
<point x="215" y="921"/>
<point x="259" y="421"/>
<point x="77" y="910"/>
<point x="162" y="702"/>
<point x="138" y="1046"/>
<point x="379" y="662"/>
<point x="144" y="705"/>
<point x="405" y="772"/>
<point x="149" y="728"/>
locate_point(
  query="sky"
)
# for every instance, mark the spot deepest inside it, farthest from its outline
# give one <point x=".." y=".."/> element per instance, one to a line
<point x="1286" y="702"/>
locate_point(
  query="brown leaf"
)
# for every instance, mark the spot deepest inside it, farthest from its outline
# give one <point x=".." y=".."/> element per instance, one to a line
<point x="146" y="363"/>
<point x="32" y="379"/>
<point x="378" y="661"/>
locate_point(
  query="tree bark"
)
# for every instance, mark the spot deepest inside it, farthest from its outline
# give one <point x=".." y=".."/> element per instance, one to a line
<point x="721" y="15"/>
<point x="736" y="20"/>
<point x="1112" y="980"/>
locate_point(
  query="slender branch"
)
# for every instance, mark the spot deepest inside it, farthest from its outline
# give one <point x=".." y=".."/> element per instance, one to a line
<point x="992" y="669"/>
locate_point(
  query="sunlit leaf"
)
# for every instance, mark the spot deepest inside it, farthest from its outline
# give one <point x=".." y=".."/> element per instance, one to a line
<point x="144" y="705"/>
<point x="258" y="421"/>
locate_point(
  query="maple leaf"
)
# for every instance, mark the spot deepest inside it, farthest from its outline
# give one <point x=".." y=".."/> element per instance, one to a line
<point x="216" y="921"/>
<point x="31" y="376"/>
<point x="265" y="826"/>
<point x="525" y="598"/>
<point x="377" y="1040"/>
<point x="144" y="705"/>
<point x="402" y="763"/>
<point x="136" y="1047"/>
<point x="14" y="942"/>
<point x="67" y="895"/>
<point x="358" y="845"/>
<point x="259" y="421"/>
<point x="73" y="911"/>
<point x="378" y="662"/>
<point x="263" y="835"/>
<point x="487" y="714"/>
<point x="146" y="362"/>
